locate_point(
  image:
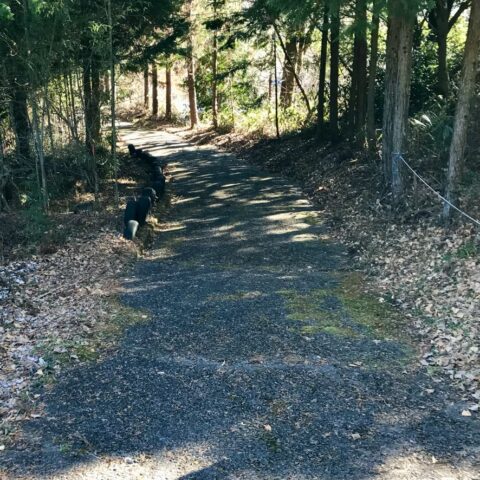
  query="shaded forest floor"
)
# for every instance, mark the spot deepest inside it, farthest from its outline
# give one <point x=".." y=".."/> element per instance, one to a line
<point x="412" y="261"/>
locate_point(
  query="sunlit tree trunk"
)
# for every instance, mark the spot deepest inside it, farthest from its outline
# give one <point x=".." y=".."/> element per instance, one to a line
<point x="466" y="93"/>
<point x="275" y="76"/>
<point x="90" y="121"/>
<point x="288" y="84"/>
<point x="146" y="99"/>
<point x="214" y="71"/>
<point x="38" y="136"/>
<point x="397" y="93"/>
<point x="71" y="98"/>
<point x="192" y="91"/>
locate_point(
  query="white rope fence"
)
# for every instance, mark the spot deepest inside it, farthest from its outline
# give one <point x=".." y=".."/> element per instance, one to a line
<point x="399" y="156"/>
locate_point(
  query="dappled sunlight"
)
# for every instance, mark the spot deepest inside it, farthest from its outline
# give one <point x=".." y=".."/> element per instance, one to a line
<point x="168" y="465"/>
<point x="423" y="466"/>
<point x="174" y="227"/>
<point x="308" y="215"/>
<point x="307" y="237"/>
<point x="187" y="199"/>
<point x="286" y="228"/>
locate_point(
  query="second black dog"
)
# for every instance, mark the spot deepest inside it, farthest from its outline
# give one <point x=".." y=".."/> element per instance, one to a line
<point x="130" y="211"/>
<point x="144" y="205"/>
<point x="151" y="193"/>
<point x="159" y="186"/>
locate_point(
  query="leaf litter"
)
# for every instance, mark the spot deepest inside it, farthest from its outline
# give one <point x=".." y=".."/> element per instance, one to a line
<point x="51" y="309"/>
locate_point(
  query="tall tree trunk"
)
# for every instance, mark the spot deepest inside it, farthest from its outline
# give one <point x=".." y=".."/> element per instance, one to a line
<point x="442" y="73"/>
<point x="214" y="82"/>
<point x="146" y="99"/>
<point x="90" y="121"/>
<point x="154" y="90"/>
<point x="334" y="69"/>
<point x="168" y="93"/>
<point x="96" y="115"/>
<point x="87" y="96"/>
<point x="192" y="91"/>
<point x="17" y="76"/>
<point x="288" y="84"/>
<point x="372" y="76"/>
<point x="214" y="70"/>
<point x="106" y="84"/>
<point x="441" y="21"/>
<point x="113" y="105"/>
<point x="359" y="75"/>
<point x="191" y="83"/>
<point x="275" y="74"/>
<point x="466" y="94"/>
<point x="71" y="98"/>
<point x="270" y="87"/>
<point x="38" y="136"/>
<point x="49" y="119"/>
<point x="323" y="73"/>
<point x="21" y="122"/>
<point x="397" y="93"/>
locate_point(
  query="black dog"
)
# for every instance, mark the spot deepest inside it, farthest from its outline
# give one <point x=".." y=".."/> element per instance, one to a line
<point x="150" y="193"/>
<point x="159" y="186"/>
<point x="130" y="211"/>
<point x="158" y="172"/>
<point x="144" y="205"/>
<point x="145" y="156"/>
<point x="132" y="150"/>
<point x="130" y="231"/>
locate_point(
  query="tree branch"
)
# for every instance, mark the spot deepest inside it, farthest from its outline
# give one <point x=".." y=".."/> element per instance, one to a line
<point x="463" y="6"/>
<point x="289" y="60"/>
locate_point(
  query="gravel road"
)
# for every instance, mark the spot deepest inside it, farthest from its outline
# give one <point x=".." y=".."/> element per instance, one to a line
<point x="261" y="358"/>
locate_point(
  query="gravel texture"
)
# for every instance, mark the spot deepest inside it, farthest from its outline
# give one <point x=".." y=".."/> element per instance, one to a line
<point x="251" y="366"/>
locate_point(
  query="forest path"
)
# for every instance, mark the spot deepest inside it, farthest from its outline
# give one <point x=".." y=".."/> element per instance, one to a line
<point x="261" y="359"/>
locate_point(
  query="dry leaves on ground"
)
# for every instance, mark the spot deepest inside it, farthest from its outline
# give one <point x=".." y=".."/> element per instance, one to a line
<point x="50" y="308"/>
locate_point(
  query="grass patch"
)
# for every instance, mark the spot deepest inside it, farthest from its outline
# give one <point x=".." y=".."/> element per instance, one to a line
<point x="468" y="250"/>
<point x="344" y="310"/>
<point x="60" y="353"/>
<point x="316" y="312"/>
<point x="380" y="319"/>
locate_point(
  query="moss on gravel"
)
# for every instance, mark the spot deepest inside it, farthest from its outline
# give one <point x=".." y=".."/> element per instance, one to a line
<point x="344" y="310"/>
<point x="103" y="337"/>
<point x="235" y="297"/>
